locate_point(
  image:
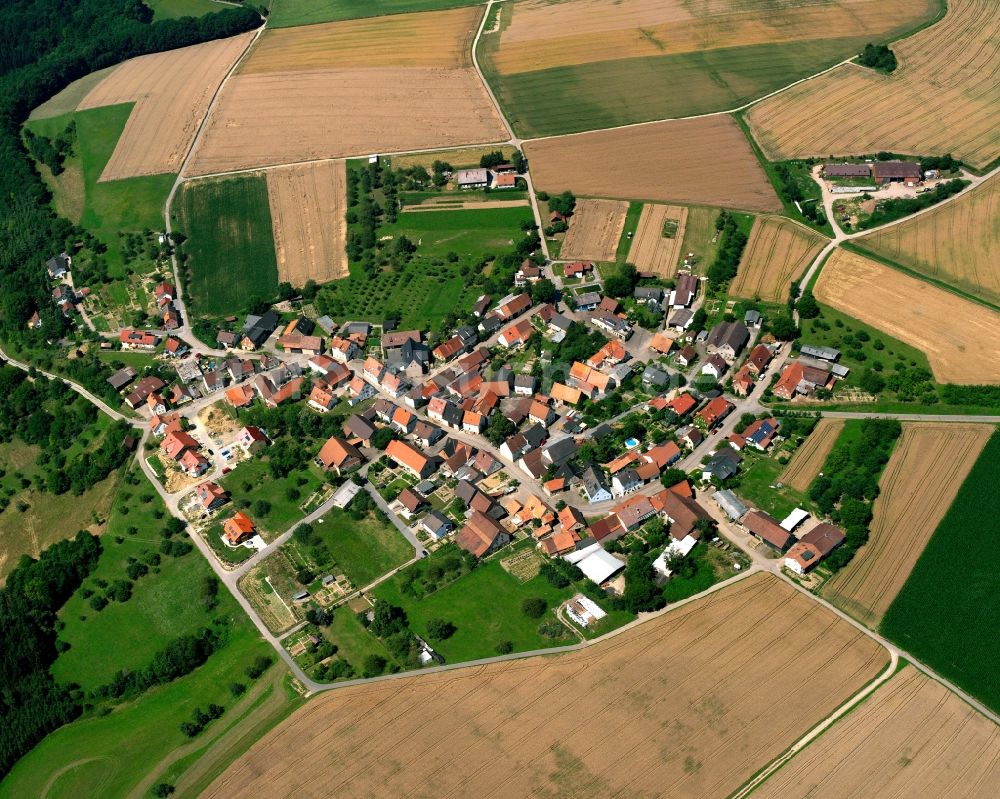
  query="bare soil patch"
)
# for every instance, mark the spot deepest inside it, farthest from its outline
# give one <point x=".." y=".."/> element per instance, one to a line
<point x="651" y="251"/>
<point x="171" y="92"/>
<point x="308" y="203"/>
<point x="778" y="251"/>
<point x="941" y="98"/>
<point x="594" y="230"/>
<point x="441" y="39"/>
<point x="914" y="737"/>
<point x="958" y="336"/>
<point x="459" y="158"/>
<point x="956" y="243"/>
<point x="705" y="161"/>
<point x="810" y="457"/>
<point x="274" y="118"/>
<point x="691" y="711"/>
<point x="926" y="469"/>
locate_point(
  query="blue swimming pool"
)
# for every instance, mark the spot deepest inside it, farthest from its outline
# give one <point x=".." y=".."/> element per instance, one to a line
<point x="631" y="443"/>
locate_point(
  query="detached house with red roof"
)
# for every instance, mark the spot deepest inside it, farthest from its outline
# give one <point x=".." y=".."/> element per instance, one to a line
<point x="411" y="459"/>
<point x="713" y="413"/>
<point x="211" y="495"/>
<point x="137" y="340"/>
<point x="238" y="529"/>
<point x="339" y="454"/>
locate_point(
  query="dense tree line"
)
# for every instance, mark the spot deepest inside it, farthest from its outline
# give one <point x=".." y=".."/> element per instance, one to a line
<point x="731" y="244"/>
<point x="891" y="210"/>
<point x="848" y="484"/>
<point x="31" y="704"/>
<point x="47" y="45"/>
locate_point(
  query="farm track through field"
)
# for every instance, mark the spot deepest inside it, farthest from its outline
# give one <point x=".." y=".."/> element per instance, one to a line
<point x="810" y="457"/>
<point x="927" y="467"/>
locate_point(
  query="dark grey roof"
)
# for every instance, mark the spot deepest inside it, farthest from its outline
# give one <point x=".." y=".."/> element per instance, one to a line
<point x="648" y="293"/>
<point x="733" y="334"/>
<point x="724" y="464"/>
<point x="561" y="451"/>
<point x="535" y="435"/>
<point x="653" y="375"/>
<point x="593" y="480"/>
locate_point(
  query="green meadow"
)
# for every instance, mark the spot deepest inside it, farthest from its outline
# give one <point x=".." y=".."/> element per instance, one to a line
<point x="288" y="13"/>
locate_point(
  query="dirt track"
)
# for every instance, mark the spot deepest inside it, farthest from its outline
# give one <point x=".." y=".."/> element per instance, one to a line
<point x="810" y="457"/>
<point x="691" y="161"/>
<point x="959" y="337"/>
<point x="913" y="738"/>
<point x="927" y="467"/>
<point x="594" y="230"/>
<point x="171" y="91"/>
<point x="690" y="705"/>
<point x="650" y="250"/>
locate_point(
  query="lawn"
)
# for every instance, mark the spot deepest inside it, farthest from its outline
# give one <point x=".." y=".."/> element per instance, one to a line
<point x="354" y="642"/>
<point x="252" y="482"/>
<point x="163" y="606"/>
<point x="628" y="231"/>
<point x="755" y="485"/>
<point x="132" y="205"/>
<point x="699" y="230"/>
<point x="946" y="612"/>
<point x="364" y="550"/>
<point x="173" y="9"/>
<point x="288" y="13"/>
<point x="230" y="242"/>
<point x="568" y="99"/>
<point x="436" y="233"/>
<point x="485" y="607"/>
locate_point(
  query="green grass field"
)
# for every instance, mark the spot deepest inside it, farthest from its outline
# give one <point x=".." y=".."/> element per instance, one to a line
<point x="284" y="512"/>
<point x="287" y="13"/>
<point x="605" y="94"/>
<point x="230" y="242"/>
<point x="436" y="233"/>
<point x="105" y="209"/>
<point x="699" y="230"/>
<point x="946" y="612"/>
<point x="354" y="642"/>
<point x="364" y="549"/>
<point x="161" y="607"/>
<point x="69" y="98"/>
<point x="173" y="9"/>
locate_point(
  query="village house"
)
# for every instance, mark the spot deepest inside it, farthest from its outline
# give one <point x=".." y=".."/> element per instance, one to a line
<point x="58" y="266"/>
<point x="760" y="434"/>
<point x="578" y="269"/>
<point x="238" y="529"/>
<point x="143" y="389"/>
<point x="682" y="404"/>
<point x="340" y="455"/>
<point x="813" y="547"/>
<point x="122" y="378"/>
<point x="681" y="320"/>
<point x="595" y="487"/>
<point x="175" y="348"/>
<point x="137" y="340"/>
<point x="240" y="396"/>
<point x="798" y="378"/>
<point x="588" y="301"/>
<point x="211" y="495"/>
<point x="743" y="381"/>
<point x="687" y="356"/>
<point x="685" y="291"/>
<point x="193" y="463"/>
<point x="436" y="525"/>
<point x="758" y="359"/>
<point x="258" y="329"/>
<point x="411" y="459"/>
<point x="472" y="178"/>
<point x="359" y="429"/>
<point x="252" y="439"/>
<point x="176" y="443"/>
<point x="516" y="335"/>
<point x="481" y="535"/>
<point x="156" y="404"/>
<point x="721" y="466"/>
<point x="715" y="366"/>
<point x="610" y="323"/>
<point x="728" y="339"/>
<point x="661" y="343"/>
<point x="410" y="501"/>
<point x="343" y="350"/>
<point x="714" y="412"/>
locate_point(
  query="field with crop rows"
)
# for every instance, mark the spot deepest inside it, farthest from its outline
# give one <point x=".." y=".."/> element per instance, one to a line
<point x="942" y="98"/>
<point x="956" y="243"/>
<point x="651" y="250"/>
<point x="588" y="64"/>
<point x="676" y="716"/>
<point x="778" y="252"/>
<point x="594" y="230"/>
<point x="958" y="336"/>
<point x="927" y="467"/>
<point x="810" y="457"/>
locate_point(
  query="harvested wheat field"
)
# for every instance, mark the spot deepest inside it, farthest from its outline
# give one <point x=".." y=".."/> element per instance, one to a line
<point x="956" y="243"/>
<point x="699" y="700"/>
<point x="172" y="92"/>
<point x="594" y="230"/>
<point x="778" y="252"/>
<point x="958" y="336"/>
<point x="308" y="203"/>
<point x="440" y="39"/>
<point x="912" y="738"/>
<point x="943" y="97"/>
<point x="927" y="467"/>
<point x="810" y="457"/>
<point x="705" y="161"/>
<point x="651" y="250"/>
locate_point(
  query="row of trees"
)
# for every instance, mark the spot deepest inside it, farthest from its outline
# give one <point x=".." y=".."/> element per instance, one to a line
<point x="731" y="244"/>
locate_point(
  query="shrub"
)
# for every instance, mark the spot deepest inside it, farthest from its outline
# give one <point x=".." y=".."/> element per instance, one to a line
<point x="534" y="607"/>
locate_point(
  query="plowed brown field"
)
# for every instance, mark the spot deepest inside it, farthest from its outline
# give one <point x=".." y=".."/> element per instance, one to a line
<point x="440" y="39"/>
<point x="913" y="738"/>
<point x="956" y="243"/>
<point x="594" y="230"/>
<point x="171" y="91"/>
<point x="958" y="336"/>
<point x="926" y="469"/>
<point x="810" y="457"/>
<point x="778" y="252"/>
<point x="943" y="97"/>
<point x="683" y="705"/>
<point x="651" y="251"/>
<point x="308" y="203"/>
<point x="263" y="119"/>
<point x="705" y="161"/>
<point x="543" y="34"/>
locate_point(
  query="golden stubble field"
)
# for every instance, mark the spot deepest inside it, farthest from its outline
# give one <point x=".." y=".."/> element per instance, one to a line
<point x="777" y="252"/>
<point x="690" y="704"/>
<point x="704" y="161"/>
<point x="957" y="243"/>
<point x="810" y="457"/>
<point x="543" y="34"/>
<point x="651" y="251"/>
<point x="172" y="92"/>
<point x="942" y="98"/>
<point x="958" y="336"/>
<point x="308" y="203"/>
<point x="594" y="230"/>
<point x="927" y="467"/>
<point x="912" y="738"/>
<point x="380" y="85"/>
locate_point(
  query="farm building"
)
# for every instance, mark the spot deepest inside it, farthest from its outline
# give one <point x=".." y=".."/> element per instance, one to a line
<point x="765" y="527"/>
<point x="896" y="172"/>
<point x="730" y="504"/>
<point x="472" y="178"/>
<point x="823" y="353"/>
<point x="813" y="547"/>
<point x="847" y="170"/>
